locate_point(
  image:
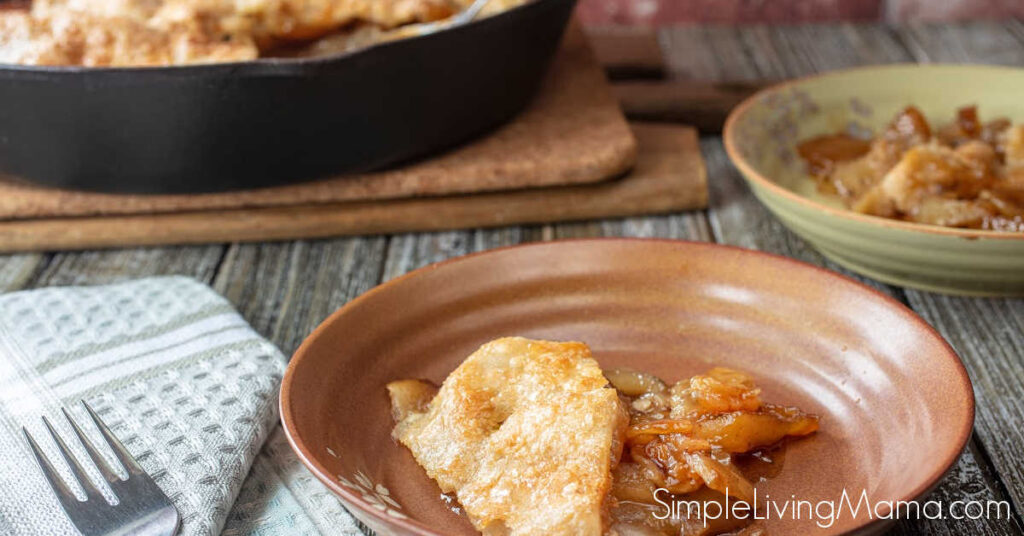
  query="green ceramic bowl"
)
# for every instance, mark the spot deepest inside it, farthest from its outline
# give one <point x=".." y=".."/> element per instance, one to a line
<point x="762" y="132"/>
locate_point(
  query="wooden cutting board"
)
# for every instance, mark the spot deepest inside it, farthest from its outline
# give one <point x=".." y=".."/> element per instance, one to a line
<point x="573" y="132"/>
<point x="669" y="176"/>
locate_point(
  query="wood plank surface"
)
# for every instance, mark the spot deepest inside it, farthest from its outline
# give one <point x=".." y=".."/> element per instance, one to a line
<point x="285" y="289"/>
<point x="699" y="103"/>
<point x="627" y="52"/>
<point x="16" y="270"/>
<point x="99" y="267"/>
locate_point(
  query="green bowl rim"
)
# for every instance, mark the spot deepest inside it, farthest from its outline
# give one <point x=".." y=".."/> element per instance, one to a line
<point x="753" y="176"/>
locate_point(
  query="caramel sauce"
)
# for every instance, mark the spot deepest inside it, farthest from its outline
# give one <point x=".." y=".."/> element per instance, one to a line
<point x="648" y="519"/>
<point x="967" y="121"/>
<point x="822" y="153"/>
<point x="696" y="441"/>
<point x="909" y="126"/>
<point x="961" y="174"/>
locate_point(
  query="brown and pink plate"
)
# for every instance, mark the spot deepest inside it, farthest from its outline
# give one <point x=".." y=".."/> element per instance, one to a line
<point x="896" y="403"/>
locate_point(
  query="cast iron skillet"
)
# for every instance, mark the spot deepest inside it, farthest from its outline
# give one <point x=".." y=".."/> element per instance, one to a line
<point x="272" y="121"/>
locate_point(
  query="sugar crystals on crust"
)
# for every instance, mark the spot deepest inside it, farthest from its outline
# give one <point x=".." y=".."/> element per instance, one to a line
<point x="525" y="433"/>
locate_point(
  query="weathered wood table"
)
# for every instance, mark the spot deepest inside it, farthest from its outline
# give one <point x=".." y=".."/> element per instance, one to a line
<point x="285" y="289"/>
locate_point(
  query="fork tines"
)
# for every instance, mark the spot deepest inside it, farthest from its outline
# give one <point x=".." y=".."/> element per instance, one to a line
<point x="142" y="508"/>
<point x="63" y="492"/>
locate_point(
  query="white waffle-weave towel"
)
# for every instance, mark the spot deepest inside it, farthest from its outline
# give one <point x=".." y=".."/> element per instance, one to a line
<point x="177" y="374"/>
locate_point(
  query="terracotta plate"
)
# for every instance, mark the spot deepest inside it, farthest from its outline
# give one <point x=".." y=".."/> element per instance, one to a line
<point x="896" y="402"/>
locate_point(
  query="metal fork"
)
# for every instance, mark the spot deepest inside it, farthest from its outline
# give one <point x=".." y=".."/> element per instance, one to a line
<point x="142" y="508"/>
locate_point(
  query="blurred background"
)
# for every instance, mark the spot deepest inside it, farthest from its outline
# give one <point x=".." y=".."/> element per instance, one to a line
<point x="659" y="12"/>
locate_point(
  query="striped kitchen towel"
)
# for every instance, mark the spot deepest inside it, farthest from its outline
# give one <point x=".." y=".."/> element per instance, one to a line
<point x="178" y="375"/>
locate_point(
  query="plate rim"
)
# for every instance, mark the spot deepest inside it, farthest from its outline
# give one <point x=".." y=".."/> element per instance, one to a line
<point x="353" y="500"/>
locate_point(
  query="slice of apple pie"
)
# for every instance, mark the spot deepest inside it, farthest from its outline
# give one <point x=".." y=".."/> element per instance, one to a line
<point x="525" y="433"/>
<point x="533" y="440"/>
